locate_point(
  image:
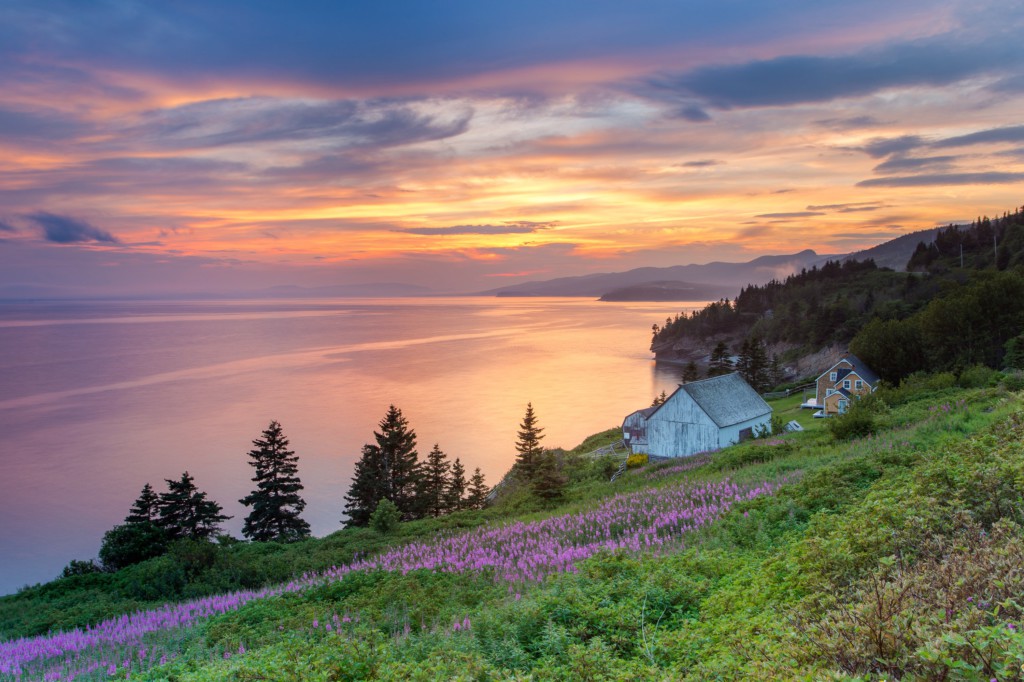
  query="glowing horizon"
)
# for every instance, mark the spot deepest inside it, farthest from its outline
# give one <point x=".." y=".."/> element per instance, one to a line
<point x="454" y="145"/>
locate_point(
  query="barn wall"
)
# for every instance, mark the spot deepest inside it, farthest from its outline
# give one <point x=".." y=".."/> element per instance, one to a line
<point x="636" y="426"/>
<point x="731" y="434"/>
<point x="680" y="429"/>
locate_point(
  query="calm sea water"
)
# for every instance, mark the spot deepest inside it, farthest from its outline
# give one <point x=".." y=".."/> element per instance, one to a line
<point x="97" y="399"/>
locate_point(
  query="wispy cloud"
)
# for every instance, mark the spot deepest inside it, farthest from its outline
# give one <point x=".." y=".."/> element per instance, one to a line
<point x="800" y="79"/>
<point x="348" y="123"/>
<point x="522" y="227"/>
<point x="944" y="179"/>
<point x="902" y="164"/>
<point x="851" y="207"/>
<point x="66" y="230"/>
<point x="1011" y="134"/>
<point x="792" y="214"/>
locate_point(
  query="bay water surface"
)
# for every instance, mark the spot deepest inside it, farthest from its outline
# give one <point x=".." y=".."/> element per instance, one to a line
<point x="98" y="398"/>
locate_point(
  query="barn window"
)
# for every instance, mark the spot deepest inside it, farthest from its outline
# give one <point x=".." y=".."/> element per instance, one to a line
<point x="746" y="434"/>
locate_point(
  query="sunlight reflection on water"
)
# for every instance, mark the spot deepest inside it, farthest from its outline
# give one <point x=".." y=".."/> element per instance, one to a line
<point x="98" y="398"/>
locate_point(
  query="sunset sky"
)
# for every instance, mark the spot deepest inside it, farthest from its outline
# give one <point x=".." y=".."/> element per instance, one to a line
<point x="463" y="145"/>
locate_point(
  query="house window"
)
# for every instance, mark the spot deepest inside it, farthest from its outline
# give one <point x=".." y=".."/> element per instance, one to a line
<point x="829" y="391"/>
<point x="859" y="384"/>
<point x="832" y="376"/>
<point x="846" y="384"/>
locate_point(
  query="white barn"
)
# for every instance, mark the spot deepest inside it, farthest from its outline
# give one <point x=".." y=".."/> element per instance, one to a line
<point x="699" y="417"/>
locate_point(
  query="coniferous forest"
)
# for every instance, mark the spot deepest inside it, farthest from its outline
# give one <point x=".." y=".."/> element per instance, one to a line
<point x="959" y="303"/>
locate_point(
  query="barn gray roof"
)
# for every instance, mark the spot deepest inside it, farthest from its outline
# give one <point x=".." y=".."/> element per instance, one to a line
<point x="727" y="399"/>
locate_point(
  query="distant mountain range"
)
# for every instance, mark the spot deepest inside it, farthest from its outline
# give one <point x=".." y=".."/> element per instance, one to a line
<point x="718" y="279"/>
<point x="709" y="281"/>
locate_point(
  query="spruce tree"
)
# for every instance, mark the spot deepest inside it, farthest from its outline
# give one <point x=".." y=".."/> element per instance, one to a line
<point x="436" y="482"/>
<point x="548" y="483"/>
<point x="775" y="371"/>
<point x="369" y="487"/>
<point x="456" y="487"/>
<point x="690" y="372"/>
<point x="721" y="363"/>
<point x="397" y="443"/>
<point x="186" y="513"/>
<point x="388" y="469"/>
<point x="146" y="507"/>
<point x="744" y="361"/>
<point x="760" y="366"/>
<point x="276" y="504"/>
<point x="478" y="490"/>
<point x="528" y="444"/>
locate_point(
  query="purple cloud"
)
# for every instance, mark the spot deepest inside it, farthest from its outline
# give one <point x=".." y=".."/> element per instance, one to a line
<point x="66" y="230"/>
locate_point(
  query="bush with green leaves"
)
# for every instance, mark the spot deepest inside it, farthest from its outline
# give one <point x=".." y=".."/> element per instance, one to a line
<point x="856" y="422"/>
<point x="385" y="517"/>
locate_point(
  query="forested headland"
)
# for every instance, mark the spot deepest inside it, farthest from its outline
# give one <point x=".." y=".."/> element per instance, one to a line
<point x="959" y="303"/>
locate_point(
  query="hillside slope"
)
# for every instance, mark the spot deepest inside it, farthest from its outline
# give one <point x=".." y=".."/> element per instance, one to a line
<point x="783" y="584"/>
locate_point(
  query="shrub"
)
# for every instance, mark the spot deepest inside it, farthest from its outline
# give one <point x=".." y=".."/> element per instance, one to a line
<point x="636" y="461"/>
<point x="859" y="421"/>
<point x="79" y="567"/>
<point x="1013" y="381"/>
<point x="385" y="517"/>
<point x="978" y="376"/>
<point x="132" y="543"/>
<point x="950" y="614"/>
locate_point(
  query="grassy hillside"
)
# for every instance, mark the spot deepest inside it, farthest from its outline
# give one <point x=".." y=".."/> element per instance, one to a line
<point x="897" y="555"/>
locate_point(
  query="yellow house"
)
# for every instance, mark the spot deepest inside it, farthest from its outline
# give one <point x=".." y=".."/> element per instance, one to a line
<point x="843" y="382"/>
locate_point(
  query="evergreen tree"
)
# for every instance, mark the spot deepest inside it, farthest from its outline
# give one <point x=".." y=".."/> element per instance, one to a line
<point x="775" y="371"/>
<point x="478" y="491"/>
<point x="456" y="487"/>
<point x="690" y="372"/>
<point x="397" y="443"/>
<point x="660" y="399"/>
<point x="146" y="507"/>
<point x="528" y="444"/>
<point x="276" y="504"/>
<point x="548" y="483"/>
<point x="388" y="469"/>
<point x="721" y="363"/>
<point x="760" y="367"/>
<point x="753" y="365"/>
<point x="437" y="480"/>
<point x="743" y="361"/>
<point x="369" y="487"/>
<point x="186" y="513"/>
<point x="1014" y="357"/>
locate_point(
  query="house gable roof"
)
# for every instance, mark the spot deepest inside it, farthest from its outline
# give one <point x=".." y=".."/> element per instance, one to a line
<point x="862" y="370"/>
<point x="726" y="399"/>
